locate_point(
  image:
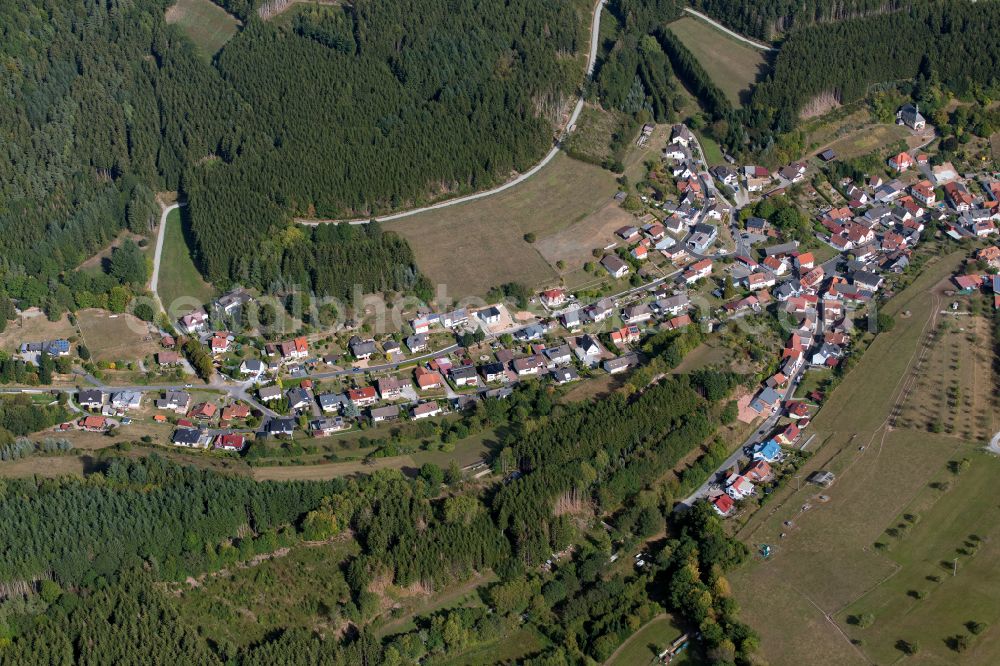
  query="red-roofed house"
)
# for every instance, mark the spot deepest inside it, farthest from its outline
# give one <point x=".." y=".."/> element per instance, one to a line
<point x="924" y="193"/>
<point x="805" y="261"/>
<point x="723" y="504"/>
<point x="231" y="442"/>
<point x="362" y="397"/>
<point x="901" y="162"/>
<point x="553" y="297"/>
<point x="220" y="343"/>
<point x="679" y="322"/>
<point x="427" y="379"/>
<point x="759" y="471"/>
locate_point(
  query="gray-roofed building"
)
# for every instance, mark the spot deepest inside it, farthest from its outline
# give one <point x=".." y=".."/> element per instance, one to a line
<point x="298" y="398"/>
<point x="361" y="349"/>
<point x="559" y="355"/>
<point x="90" y="398"/>
<point x="332" y="402"/>
<point x="269" y="393"/>
<point x="280" y="426"/>
<point x="379" y="414"/>
<point x="416" y="343"/>
<point x="620" y="364"/>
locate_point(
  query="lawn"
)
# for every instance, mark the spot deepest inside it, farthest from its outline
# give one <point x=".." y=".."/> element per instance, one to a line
<point x="205" y="23"/>
<point x="713" y="153"/>
<point x="731" y="64"/>
<point x="471" y="247"/>
<point x="946" y="550"/>
<point x="181" y="286"/>
<point x="643" y="646"/>
<point x="508" y="650"/>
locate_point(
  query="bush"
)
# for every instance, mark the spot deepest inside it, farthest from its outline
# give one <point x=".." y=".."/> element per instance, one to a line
<point x="529" y="237"/>
<point x="862" y="621"/>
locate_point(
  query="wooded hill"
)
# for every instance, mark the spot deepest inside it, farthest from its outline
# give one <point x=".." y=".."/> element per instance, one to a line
<point x="348" y="110"/>
<point x="82" y="558"/>
<point x="769" y="19"/>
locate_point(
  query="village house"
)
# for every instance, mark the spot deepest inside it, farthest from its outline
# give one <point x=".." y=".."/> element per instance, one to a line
<point x="494" y="372"/>
<point x="269" y="393"/>
<point x="176" y="401"/>
<point x="552" y="298"/>
<point x="565" y="375"/>
<point x="280" y="427"/>
<point x="416" y="343"/>
<point x="427" y="379"/>
<point x="958" y="196"/>
<point x="234" y="442"/>
<point x="614" y="265"/>
<point x="625" y="335"/>
<point x="380" y="414"/>
<point x="680" y="134"/>
<point x="455" y="318"/>
<point x="361" y="349"/>
<point x="168" y="358"/>
<point x="203" y="411"/>
<point x="331" y="403"/>
<point x="588" y="350"/>
<point x="600" y="310"/>
<point x="622" y="363"/>
<point x="391" y="388"/>
<point x="530" y="365"/>
<point x="92" y="399"/>
<point x="901" y="162"/>
<point x="234" y="412"/>
<point x="636" y="314"/>
<point x="298" y="398"/>
<point x="195" y="322"/>
<point x="94" y="423"/>
<point x="362" y="397"/>
<point x="924" y="192"/>
<point x="739" y="487"/>
<point x="464" y="375"/>
<point x="678" y="322"/>
<point x="640" y="253"/>
<point x="294" y="349"/>
<point x="219" y="343"/>
<point x="426" y="410"/>
<point x="190" y="438"/>
<point x="490" y="316"/>
<point x="759" y="471"/>
<point x="671" y="305"/>
<point x="123" y="401"/>
<point x="327" y="426"/>
<point x="558" y="355"/>
<point x="698" y="271"/>
<point x="723" y="505"/>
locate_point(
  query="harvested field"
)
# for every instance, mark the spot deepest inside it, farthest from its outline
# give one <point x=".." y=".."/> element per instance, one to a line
<point x="113" y="337"/>
<point x="474" y="246"/>
<point x="575" y="244"/>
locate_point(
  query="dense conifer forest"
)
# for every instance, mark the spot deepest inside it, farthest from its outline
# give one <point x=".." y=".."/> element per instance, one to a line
<point x="346" y="111"/>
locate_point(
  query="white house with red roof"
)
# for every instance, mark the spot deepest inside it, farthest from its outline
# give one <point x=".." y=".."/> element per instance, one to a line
<point x="901" y="162"/>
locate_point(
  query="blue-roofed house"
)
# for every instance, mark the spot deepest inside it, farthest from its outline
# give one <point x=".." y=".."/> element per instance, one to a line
<point x="768" y="451"/>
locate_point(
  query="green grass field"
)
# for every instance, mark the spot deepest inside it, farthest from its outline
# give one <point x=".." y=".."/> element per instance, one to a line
<point x="825" y="567"/>
<point x="180" y="282"/>
<point x="205" y="23"/>
<point x="638" y="650"/>
<point x="732" y="64"/>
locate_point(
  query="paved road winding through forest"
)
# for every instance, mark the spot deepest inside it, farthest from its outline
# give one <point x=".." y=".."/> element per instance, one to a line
<point x="595" y="29"/>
